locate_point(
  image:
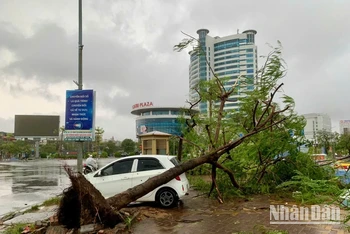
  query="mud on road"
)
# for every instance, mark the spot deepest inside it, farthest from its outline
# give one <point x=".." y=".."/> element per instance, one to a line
<point x="200" y="215"/>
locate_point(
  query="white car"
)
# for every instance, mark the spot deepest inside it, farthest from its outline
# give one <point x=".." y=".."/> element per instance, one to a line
<point x="127" y="172"/>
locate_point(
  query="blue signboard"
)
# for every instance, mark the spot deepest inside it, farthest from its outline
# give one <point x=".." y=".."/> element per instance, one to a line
<point x="79" y="110"/>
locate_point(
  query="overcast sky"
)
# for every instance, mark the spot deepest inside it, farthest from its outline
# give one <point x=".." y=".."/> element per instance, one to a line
<point x="128" y="53"/>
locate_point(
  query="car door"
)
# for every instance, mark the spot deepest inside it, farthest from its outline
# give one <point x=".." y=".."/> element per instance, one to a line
<point x="146" y="168"/>
<point x="114" y="178"/>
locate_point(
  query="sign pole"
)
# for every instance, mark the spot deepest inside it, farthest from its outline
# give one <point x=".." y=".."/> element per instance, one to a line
<point x="80" y="83"/>
<point x="80" y="107"/>
<point x="80" y="72"/>
<point x="37" y="142"/>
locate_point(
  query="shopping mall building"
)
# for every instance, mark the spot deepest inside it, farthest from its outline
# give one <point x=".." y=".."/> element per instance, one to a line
<point x="162" y="119"/>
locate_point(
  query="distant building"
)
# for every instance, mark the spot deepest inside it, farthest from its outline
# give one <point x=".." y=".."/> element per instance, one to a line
<point x="118" y="143"/>
<point x="232" y="57"/>
<point x="344" y="126"/>
<point x="5" y="136"/>
<point x="316" y="122"/>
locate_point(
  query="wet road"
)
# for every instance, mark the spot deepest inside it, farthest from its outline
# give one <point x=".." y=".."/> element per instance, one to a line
<point x="24" y="184"/>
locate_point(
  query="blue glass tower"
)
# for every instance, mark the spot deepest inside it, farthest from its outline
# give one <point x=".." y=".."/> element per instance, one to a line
<point x="232" y="57"/>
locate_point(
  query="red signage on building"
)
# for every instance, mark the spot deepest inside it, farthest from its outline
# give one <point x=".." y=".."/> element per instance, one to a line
<point x="142" y="104"/>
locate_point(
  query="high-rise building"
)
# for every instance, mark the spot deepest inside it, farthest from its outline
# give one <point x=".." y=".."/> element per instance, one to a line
<point x="316" y="122"/>
<point x="344" y="126"/>
<point x="230" y="57"/>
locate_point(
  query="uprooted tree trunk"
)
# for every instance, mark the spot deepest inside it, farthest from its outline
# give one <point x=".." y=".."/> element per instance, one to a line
<point x="83" y="204"/>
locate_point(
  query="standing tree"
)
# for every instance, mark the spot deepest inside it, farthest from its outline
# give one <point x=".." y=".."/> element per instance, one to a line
<point x="12" y="148"/>
<point x="213" y="137"/>
<point x="344" y="143"/>
<point x="128" y="146"/>
<point x="98" y="138"/>
<point x="62" y="128"/>
<point x="110" y="147"/>
<point x="325" y="139"/>
<point x="49" y="148"/>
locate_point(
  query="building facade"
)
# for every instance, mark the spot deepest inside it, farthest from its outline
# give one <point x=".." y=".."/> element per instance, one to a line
<point x="230" y="57"/>
<point x="316" y="122"/>
<point x="162" y="119"/>
<point x="344" y="126"/>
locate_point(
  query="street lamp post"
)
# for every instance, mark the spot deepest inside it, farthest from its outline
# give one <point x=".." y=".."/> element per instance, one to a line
<point x="80" y="81"/>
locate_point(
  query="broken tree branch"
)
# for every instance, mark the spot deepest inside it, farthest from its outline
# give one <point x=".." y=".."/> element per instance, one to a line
<point x="229" y="173"/>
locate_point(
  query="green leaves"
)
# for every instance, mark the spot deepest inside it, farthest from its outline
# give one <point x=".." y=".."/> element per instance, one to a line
<point x="344" y="143"/>
<point x="312" y="190"/>
<point x="183" y="44"/>
<point x="287" y="100"/>
<point x="15" y="147"/>
<point x="325" y="138"/>
<point x="128" y="146"/>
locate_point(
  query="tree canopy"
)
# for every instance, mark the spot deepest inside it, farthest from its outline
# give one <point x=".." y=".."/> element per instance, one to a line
<point x="128" y="146"/>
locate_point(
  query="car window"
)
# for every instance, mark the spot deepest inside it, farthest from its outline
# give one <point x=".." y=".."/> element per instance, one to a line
<point x="174" y="161"/>
<point x="119" y="167"/>
<point x="148" y="164"/>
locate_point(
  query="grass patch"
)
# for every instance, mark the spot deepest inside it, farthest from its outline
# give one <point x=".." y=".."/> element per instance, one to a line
<point x="277" y="232"/>
<point x="266" y="230"/>
<point x="128" y="222"/>
<point x="52" y="201"/>
<point x="33" y="208"/>
<point x="198" y="183"/>
<point x="17" y="228"/>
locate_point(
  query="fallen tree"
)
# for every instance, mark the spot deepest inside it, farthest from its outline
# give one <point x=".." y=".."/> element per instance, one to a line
<point x="86" y="202"/>
<point x="94" y="207"/>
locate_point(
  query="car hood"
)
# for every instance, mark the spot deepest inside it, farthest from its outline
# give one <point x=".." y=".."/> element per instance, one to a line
<point x="89" y="176"/>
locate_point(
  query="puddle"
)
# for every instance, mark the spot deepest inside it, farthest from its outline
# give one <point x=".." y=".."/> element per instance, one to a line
<point x="28" y="183"/>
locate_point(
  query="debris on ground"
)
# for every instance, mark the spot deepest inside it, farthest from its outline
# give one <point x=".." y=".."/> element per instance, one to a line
<point x="24" y="223"/>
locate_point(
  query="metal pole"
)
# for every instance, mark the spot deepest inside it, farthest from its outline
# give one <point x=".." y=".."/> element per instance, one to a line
<point x="80" y="82"/>
<point x="80" y="72"/>
<point x="37" y="142"/>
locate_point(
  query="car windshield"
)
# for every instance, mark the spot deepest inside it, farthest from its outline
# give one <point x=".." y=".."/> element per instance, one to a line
<point x="175" y="161"/>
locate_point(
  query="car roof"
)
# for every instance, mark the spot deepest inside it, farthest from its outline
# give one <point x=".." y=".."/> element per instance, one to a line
<point x="149" y="156"/>
<point x="135" y="156"/>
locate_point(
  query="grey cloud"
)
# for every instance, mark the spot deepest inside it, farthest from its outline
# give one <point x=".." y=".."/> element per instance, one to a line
<point x="48" y="54"/>
<point x="314" y="35"/>
<point x="131" y="69"/>
<point x="10" y="37"/>
<point x="7" y="125"/>
<point x="18" y="90"/>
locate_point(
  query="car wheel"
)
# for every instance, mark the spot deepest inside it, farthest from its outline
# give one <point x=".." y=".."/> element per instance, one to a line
<point x="87" y="170"/>
<point x="167" y="197"/>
